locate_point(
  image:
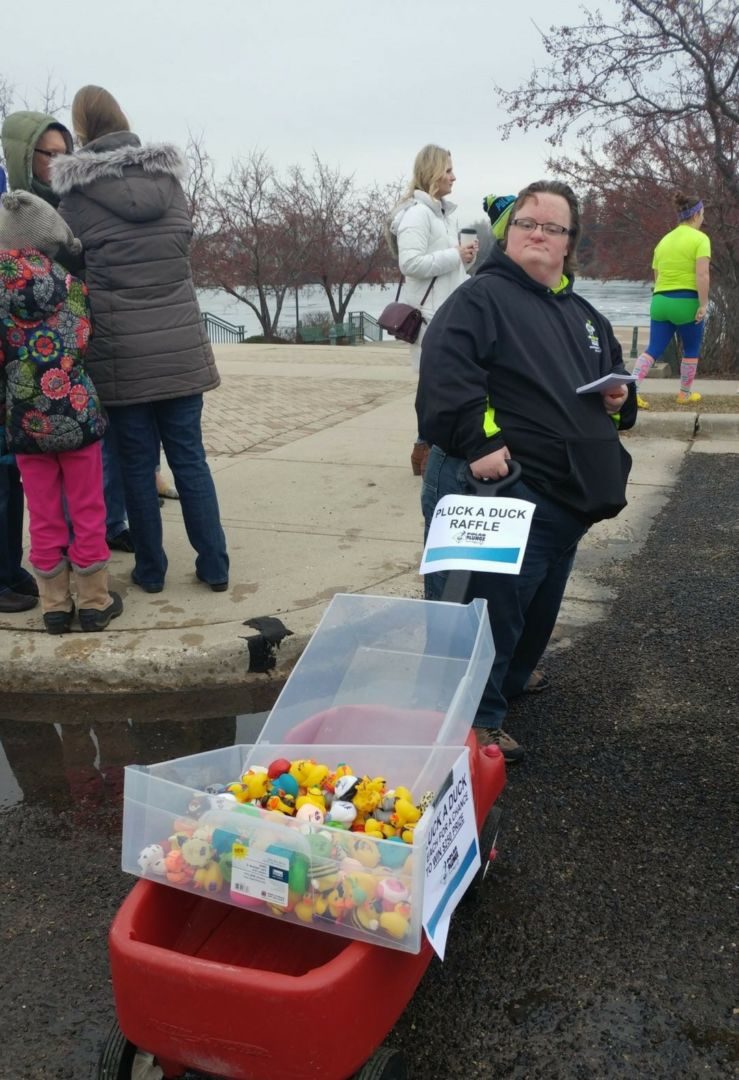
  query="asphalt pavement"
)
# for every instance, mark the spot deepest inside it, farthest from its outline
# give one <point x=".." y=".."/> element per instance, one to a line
<point x="604" y="943"/>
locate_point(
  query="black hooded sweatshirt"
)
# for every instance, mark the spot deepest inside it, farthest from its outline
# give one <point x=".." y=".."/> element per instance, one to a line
<point x="500" y="364"/>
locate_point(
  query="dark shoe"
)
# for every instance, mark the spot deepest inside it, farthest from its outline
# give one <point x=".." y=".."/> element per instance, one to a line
<point x="216" y="586"/>
<point x="145" y="587"/>
<point x="509" y="748"/>
<point x="121" y="542"/>
<point x="58" y="622"/>
<point x="12" y="602"/>
<point x="91" y="619"/>
<point x="538" y="681"/>
<point x="27" y="587"/>
<point x="419" y="457"/>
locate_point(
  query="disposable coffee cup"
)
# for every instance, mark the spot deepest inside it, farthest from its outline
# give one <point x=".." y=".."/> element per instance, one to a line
<point x="467" y="236"/>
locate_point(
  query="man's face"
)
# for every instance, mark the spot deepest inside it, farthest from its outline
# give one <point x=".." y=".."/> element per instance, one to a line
<point x="540" y="255"/>
<point x="51" y="142"/>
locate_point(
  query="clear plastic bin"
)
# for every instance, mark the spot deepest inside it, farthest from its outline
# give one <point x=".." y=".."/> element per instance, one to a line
<point x="389" y="686"/>
<point x="343" y="882"/>
<point x="405" y="656"/>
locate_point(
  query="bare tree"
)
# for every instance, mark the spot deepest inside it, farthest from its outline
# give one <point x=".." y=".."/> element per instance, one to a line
<point x="242" y="245"/>
<point x="337" y="229"/>
<point x="654" y="98"/>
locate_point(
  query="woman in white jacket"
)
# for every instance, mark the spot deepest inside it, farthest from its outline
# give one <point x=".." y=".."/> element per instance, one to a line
<point x="423" y="234"/>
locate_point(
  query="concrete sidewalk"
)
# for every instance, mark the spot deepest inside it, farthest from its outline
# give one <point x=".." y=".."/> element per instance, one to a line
<point x="309" y="449"/>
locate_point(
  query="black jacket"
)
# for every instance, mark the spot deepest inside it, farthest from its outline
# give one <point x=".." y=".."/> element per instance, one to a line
<point x="500" y="363"/>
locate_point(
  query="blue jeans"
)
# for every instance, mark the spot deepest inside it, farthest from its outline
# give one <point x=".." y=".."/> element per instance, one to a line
<point x="115" y="502"/>
<point x="175" y="423"/>
<point x="522" y="608"/>
<point x="11" y="529"/>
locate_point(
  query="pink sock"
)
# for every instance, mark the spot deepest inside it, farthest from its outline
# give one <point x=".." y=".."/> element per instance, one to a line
<point x="688" y="369"/>
<point x="641" y="367"/>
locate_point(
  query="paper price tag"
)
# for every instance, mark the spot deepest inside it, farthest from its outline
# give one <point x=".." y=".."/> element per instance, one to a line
<point x="262" y="875"/>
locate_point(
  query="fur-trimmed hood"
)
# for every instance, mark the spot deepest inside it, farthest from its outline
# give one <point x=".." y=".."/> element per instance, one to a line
<point x="103" y="159"/>
<point x="135" y="182"/>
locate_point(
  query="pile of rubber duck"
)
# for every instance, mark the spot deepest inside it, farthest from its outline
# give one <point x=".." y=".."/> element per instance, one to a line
<point x="317" y="795"/>
<point x="338" y="871"/>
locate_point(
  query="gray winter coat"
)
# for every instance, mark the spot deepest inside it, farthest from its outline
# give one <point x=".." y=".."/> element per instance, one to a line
<point x="125" y="203"/>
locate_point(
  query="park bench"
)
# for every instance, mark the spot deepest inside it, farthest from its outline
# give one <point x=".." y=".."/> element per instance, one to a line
<point x="345" y="332"/>
<point x="312" y="335"/>
<point x="337" y="332"/>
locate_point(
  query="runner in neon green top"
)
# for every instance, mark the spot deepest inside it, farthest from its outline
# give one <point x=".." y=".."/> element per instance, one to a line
<point x="681" y="278"/>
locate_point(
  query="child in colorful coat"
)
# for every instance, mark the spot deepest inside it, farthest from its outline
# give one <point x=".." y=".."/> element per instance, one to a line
<point x="54" y="422"/>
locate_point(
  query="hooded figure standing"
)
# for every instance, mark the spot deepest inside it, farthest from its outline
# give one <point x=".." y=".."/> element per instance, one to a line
<point x="30" y="141"/>
<point x="149" y="355"/>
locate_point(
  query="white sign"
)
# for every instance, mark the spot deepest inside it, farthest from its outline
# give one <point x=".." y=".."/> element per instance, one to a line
<point x="473" y="532"/>
<point x="452" y="852"/>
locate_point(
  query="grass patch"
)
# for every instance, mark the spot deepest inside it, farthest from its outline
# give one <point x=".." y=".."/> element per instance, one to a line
<point x="716" y="403"/>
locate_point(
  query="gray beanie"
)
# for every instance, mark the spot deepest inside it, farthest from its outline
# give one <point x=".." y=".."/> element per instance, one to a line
<point x="26" y="221"/>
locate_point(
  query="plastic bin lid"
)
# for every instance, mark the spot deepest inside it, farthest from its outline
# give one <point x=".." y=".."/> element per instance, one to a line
<point x="386" y="670"/>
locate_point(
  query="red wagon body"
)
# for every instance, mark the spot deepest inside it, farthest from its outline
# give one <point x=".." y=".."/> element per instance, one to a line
<point x="206" y="986"/>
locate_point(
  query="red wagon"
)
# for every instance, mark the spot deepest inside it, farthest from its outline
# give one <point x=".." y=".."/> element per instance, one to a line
<point x="207" y="987"/>
<point x="204" y="988"/>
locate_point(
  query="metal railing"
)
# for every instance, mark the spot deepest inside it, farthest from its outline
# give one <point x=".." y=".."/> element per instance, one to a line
<point x="368" y="328"/>
<point x="221" y="332"/>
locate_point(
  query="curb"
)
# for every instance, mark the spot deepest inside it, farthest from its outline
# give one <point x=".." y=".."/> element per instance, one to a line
<point x="664" y="426"/>
<point x="717" y="425"/>
<point x="685" y="426"/>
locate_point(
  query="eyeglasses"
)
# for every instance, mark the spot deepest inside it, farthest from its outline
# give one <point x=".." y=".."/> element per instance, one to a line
<point x="549" y="227"/>
<point x="49" y="153"/>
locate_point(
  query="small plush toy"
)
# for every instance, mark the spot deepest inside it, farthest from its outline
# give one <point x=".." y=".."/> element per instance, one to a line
<point x="197" y="853"/>
<point x="209" y="878"/>
<point x="151" y="860"/>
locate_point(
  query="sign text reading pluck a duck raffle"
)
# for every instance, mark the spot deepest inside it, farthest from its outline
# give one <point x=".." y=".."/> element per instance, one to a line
<point x="478" y="533"/>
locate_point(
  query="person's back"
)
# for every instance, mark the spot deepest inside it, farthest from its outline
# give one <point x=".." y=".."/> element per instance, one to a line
<point x="126" y="204"/>
<point x="675" y="257"/>
<point x="150" y="358"/>
<point x="54" y="423"/>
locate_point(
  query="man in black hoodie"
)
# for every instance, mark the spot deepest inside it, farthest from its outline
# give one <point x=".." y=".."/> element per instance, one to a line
<point x="500" y="364"/>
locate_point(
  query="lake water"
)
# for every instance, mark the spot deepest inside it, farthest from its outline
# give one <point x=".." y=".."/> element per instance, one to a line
<point x="625" y="303"/>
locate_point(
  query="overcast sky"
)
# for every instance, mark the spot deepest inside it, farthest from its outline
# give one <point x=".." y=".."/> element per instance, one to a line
<point x="363" y="84"/>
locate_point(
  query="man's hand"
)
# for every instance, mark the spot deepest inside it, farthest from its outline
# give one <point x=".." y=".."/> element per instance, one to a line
<point x="614" y="398"/>
<point x="491" y="467"/>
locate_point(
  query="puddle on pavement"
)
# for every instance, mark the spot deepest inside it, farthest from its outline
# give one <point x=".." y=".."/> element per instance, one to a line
<point x="60" y="752"/>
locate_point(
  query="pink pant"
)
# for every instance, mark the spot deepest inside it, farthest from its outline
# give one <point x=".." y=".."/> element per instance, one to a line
<point x="78" y="476"/>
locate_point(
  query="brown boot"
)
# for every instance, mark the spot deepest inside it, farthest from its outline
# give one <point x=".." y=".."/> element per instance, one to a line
<point x="56" y="599"/>
<point x="419" y="457"/>
<point x="96" y="606"/>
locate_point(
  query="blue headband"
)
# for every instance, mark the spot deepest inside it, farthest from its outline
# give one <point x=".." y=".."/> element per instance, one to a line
<point x="684" y="215"/>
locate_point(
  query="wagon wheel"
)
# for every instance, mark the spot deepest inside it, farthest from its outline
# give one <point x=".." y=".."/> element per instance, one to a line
<point x="488" y="839"/>
<point x="385" y="1064"/>
<point x="121" y="1060"/>
<point x="116" y="1057"/>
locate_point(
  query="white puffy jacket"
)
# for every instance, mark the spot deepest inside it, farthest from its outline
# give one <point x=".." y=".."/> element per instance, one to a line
<point x="426" y="232"/>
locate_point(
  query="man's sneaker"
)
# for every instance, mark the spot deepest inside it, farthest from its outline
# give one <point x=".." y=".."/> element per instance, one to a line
<point x="688" y="399"/>
<point x="509" y="748"/>
<point x="641" y="403"/>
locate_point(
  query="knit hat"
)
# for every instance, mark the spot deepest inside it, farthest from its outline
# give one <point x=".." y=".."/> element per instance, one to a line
<point x="26" y="221"/>
<point x="498" y="209"/>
